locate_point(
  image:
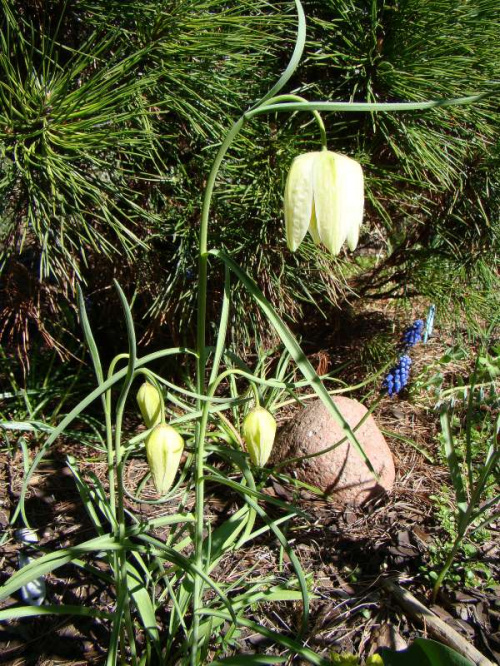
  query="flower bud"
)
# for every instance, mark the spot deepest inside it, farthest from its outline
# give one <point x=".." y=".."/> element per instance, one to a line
<point x="149" y="401"/>
<point x="259" y="430"/>
<point x="164" y="448"/>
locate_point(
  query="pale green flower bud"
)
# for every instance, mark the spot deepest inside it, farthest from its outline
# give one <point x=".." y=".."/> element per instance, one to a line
<point x="149" y="401"/>
<point x="324" y="195"/>
<point x="164" y="448"/>
<point x="374" y="660"/>
<point x="259" y="430"/>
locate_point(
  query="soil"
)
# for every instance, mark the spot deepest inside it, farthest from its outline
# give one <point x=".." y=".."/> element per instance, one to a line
<point x="347" y="551"/>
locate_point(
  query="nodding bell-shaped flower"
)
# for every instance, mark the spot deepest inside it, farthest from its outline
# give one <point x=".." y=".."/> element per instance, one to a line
<point x="164" y="448"/>
<point x="149" y="401"/>
<point x="259" y="430"/>
<point x="324" y="195"/>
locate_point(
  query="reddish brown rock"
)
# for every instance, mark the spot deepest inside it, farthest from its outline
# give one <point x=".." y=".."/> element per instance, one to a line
<point x="340" y="472"/>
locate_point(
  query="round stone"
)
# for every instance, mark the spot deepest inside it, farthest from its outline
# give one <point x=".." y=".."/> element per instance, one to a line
<point x="340" y="472"/>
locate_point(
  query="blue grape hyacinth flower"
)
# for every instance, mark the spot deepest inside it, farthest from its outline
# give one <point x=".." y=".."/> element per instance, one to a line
<point x="413" y="334"/>
<point x="398" y="377"/>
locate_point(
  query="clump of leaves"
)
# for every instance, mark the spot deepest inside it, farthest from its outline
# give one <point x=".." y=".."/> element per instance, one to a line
<point x="72" y="135"/>
<point x="470" y="426"/>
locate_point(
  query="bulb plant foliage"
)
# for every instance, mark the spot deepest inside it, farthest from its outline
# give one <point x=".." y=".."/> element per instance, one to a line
<point x="166" y="567"/>
<point x="470" y="425"/>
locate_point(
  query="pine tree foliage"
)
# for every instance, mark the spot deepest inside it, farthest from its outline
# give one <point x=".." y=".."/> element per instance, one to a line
<point x="111" y="111"/>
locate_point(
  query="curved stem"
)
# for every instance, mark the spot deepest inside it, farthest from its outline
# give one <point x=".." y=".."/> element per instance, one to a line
<point x="109" y="436"/>
<point x="290" y="98"/>
<point x="201" y="351"/>
<point x="255" y="394"/>
<point x="364" y="106"/>
<point x="203" y="251"/>
<point x="242" y="373"/>
<point x="446" y="566"/>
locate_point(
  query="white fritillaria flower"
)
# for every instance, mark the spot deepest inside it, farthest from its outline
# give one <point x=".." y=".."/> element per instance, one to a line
<point x="324" y="195"/>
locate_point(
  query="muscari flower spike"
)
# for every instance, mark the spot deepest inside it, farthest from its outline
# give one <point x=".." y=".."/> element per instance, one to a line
<point x="398" y="377"/>
<point x="164" y="448"/>
<point x="259" y="430"/>
<point x="324" y="195"/>
<point x="413" y="334"/>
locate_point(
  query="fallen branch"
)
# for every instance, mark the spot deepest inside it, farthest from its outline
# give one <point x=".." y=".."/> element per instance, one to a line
<point x="433" y="624"/>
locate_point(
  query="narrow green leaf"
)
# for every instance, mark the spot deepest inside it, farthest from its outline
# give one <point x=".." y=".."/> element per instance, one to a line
<point x="249" y="660"/>
<point x="366" y="107"/>
<point x="294" y="646"/>
<point x="135" y="585"/>
<point x="47" y="563"/>
<point x="114" y="639"/>
<point x="132" y="346"/>
<point x="453" y="466"/>
<point x="226" y="534"/>
<point x="89" y="336"/>
<point x="16" y="612"/>
<point x="187" y="565"/>
<point x="222" y="330"/>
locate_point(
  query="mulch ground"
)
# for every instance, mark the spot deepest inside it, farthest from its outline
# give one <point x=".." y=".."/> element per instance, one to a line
<point x="348" y="552"/>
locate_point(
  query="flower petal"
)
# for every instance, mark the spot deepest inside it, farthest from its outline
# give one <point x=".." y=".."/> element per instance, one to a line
<point x="338" y="200"/>
<point x="299" y="199"/>
<point x="326" y="204"/>
<point x="350" y="191"/>
<point x="313" y="228"/>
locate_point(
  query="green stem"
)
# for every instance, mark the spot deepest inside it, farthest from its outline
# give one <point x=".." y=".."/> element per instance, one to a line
<point x="285" y="98"/>
<point x="109" y="436"/>
<point x="447" y="565"/>
<point x="364" y="106"/>
<point x="256" y="395"/>
<point x="200" y="381"/>
<point x="121" y="571"/>
<point x="203" y="253"/>
<point x="204" y="406"/>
